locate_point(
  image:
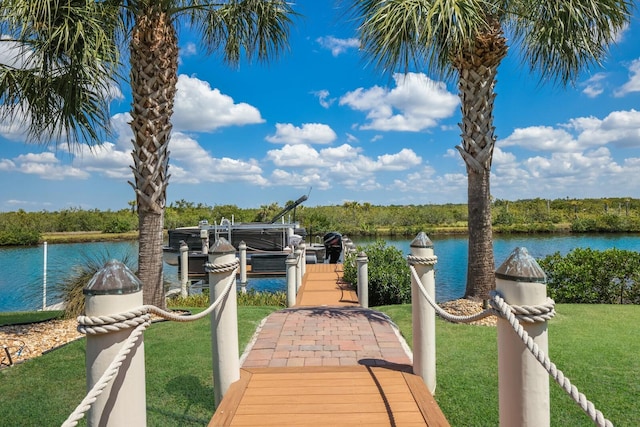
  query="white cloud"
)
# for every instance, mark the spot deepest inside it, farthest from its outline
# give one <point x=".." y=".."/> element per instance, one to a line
<point x="594" y="85"/>
<point x="105" y="159"/>
<point x="344" y="163"/>
<point x="308" y="133"/>
<point x="338" y="46"/>
<point x="351" y="138"/>
<point x="44" y="165"/>
<point x="189" y="49"/>
<point x="619" y="128"/>
<point x="633" y="84"/>
<point x="298" y="155"/>
<point x="502" y="157"/>
<point x="190" y="163"/>
<point x="415" y="104"/>
<point x="323" y="98"/>
<point x="404" y="159"/>
<point x="7" y="165"/>
<point x="541" y="138"/>
<point x="427" y="183"/>
<point x="14" y="127"/>
<point x="202" y="109"/>
<point x="307" y="179"/>
<point x="343" y="152"/>
<point x="13" y="53"/>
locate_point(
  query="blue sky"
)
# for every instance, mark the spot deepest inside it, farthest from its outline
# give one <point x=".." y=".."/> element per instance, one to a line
<point x="322" y="118"/>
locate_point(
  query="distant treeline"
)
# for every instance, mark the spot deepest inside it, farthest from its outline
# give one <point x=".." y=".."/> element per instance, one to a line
<point x="352" y="218"/>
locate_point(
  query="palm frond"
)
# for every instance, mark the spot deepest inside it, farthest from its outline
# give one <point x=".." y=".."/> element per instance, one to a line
<point x="256" y="28"/>
<point x="560" y="38"/>
<point x="421" y="33"/>
<point x="62" y="84"/>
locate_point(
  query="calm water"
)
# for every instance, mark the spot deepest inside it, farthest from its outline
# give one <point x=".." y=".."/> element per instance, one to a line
<point x="22" y="270"/>
<point x="451" y="268"/>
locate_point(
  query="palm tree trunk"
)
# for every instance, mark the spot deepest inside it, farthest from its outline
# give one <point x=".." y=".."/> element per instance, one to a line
<point x="478" y="68"/>
<point x="154" y="64"/>
<point x="481" y="264"/>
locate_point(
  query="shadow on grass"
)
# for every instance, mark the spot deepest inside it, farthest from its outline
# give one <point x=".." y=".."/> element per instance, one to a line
<point x="191" y="399"/>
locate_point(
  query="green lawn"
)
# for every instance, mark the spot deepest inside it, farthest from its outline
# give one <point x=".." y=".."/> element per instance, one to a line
<point x="179" y="379"/>
<point x="596" y="346"/>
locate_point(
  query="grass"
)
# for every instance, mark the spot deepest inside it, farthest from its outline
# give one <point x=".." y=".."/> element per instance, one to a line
<point x="87" y="236"/>
<point x="20" y="317"/>
<point x="596" y="346"/>
<point x="179" y="378"/>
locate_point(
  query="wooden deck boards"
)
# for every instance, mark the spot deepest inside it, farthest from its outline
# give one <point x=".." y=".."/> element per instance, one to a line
<point x="343" y="396"/>
<point x="328" y="395"/>
<point x="323" y="285"/>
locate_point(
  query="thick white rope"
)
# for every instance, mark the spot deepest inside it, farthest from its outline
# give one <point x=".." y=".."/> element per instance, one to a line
<point x="441" y="312"/>
<point x="503" y="308"/>
<point x="530" y="314"/>
<point x="140" y="319"/>
<point x="110" y="373"/>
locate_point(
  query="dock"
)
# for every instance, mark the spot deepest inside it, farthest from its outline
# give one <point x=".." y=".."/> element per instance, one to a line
<point x="327" y="362"/>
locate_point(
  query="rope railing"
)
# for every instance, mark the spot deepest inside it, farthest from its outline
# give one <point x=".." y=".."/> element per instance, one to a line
<point x="514" y="315"/>
<point x="587" y="406"/>
<point x="139" y="319"/>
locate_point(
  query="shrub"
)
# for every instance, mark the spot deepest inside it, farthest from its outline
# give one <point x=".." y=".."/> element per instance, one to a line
<point x="71" y="287"/>
<point x="593" y="277"/>
<point x="119" y="225"/>
<point x="249" y="298"/>
<point x="262" y="299"/>
<point x="19" y="237"/>
<point x="389" y="274"/>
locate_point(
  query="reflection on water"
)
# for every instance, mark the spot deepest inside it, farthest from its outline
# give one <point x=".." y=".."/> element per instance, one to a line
<point x="22" y="275"/>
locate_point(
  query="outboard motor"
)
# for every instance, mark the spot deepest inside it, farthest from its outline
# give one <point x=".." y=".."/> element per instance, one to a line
<point x="333" y="246"/>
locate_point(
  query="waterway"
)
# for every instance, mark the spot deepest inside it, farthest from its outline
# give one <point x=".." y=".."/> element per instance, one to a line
<point x="22" y="273"/>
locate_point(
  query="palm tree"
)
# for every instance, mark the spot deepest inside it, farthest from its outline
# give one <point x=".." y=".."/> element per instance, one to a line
<point x="466" y="40"/>
<point x="64" y="63"/>
<point x="257" y="28"/>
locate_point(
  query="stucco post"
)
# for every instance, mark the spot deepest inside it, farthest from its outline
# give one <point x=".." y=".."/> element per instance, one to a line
<point x="523" y="382"/>
<point x="243" y="266"/>
<point x="363" y="279"/>
<point x="184" y="268"/>
<point x="224" y="319"/>
<point x="422" y="314"/>
<point x="303" y="262"/>
<point x="291" y="262"/>
<point x="114" y="290"/>
<point x="298" y="255"/>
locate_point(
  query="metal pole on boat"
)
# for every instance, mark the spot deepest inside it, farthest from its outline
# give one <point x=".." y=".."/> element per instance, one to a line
<point x="44" y="279"/>
<point x="204" y="236"/>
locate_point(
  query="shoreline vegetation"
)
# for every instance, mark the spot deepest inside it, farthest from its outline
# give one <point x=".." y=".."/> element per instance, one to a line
<point x="354" y="219"/>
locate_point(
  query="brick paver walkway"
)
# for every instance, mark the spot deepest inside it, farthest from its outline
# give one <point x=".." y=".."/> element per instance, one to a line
<point x="327" y="336"/>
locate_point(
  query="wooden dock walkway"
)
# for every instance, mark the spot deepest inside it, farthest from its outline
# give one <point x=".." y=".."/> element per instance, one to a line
<point x="327" y="362"/>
